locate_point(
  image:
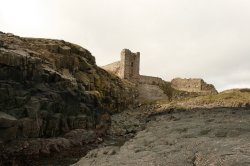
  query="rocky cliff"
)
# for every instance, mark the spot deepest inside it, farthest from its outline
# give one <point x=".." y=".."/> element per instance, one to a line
<point x="49" y="88"/>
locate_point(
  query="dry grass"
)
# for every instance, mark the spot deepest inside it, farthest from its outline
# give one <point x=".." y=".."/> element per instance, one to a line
<point x="234" y="96"/>
<point x="229" y="98"/>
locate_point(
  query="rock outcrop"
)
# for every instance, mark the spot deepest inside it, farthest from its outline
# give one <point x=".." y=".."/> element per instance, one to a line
<point x="49" y="88"/>
<point x="191" y="138"/>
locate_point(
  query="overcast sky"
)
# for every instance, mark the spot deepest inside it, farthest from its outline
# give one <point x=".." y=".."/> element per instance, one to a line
<point x="177" y="38"/>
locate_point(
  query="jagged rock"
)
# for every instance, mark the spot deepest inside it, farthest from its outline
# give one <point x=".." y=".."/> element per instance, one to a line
<point x="6" y="120"/>
<point x="80" y="122"/>
<point x="1" y="43"/>
<point x="51" y="87"/>
<point x="8" y="134"/>
<point x="65" y="50"/>
<point x="8" y="127"/>
<point x="29" y="128"/>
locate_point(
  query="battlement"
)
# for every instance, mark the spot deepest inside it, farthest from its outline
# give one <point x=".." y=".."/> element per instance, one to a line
<point x="129" y="68"/>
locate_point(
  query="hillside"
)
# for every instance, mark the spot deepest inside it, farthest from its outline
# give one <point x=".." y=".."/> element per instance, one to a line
<point x="235" y="98"/>
<point x="52" y="89"/>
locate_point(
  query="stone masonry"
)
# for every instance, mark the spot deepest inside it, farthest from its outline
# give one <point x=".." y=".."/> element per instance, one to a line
<point x="193" y="85"/>
<point x="129" y="68"/>
<point x="129" y="65"/>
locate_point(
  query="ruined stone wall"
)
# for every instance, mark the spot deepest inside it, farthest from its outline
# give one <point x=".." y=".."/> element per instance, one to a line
<point x="150" y="80"/>
<point x="208" y="87"/>
<point x="128" y="67"/>
<point x="190" y="85"/>
<point x="113" y="68"/>
<point x="193" y="85"/>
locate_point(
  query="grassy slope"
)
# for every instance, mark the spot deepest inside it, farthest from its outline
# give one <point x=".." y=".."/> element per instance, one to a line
<point x="229" y="98"/>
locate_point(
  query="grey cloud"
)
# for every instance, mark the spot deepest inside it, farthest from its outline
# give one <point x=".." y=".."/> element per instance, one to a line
<point x="180" y="38"/>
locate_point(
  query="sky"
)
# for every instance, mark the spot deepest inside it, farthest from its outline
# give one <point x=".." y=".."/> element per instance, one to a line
<point x="207" y="39"/>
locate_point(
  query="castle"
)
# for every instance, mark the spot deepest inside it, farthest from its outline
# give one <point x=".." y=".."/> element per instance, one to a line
<point x="129" y="68"/>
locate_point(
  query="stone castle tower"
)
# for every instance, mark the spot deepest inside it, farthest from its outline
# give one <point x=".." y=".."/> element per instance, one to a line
<point x="129" y="68"/>
<point x="129" y="65"/>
